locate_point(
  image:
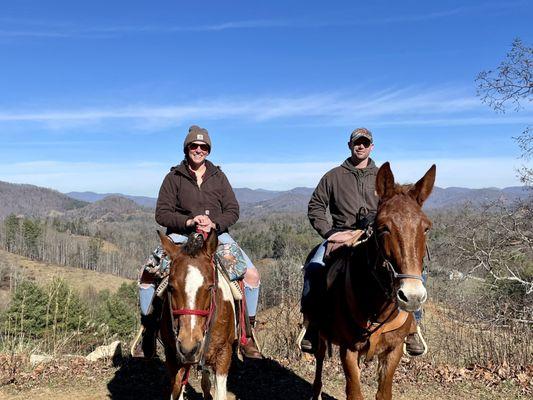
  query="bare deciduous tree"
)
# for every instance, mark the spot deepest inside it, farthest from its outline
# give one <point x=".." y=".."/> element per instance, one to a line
<point x="512" y="82"/>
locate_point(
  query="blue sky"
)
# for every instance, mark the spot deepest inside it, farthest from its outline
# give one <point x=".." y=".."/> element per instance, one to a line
<point x="99" y="95"/>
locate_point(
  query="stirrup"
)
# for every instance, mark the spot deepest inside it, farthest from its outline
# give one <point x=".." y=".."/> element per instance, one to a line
<point x="300" y="337"/>
<point x="137" y="344"/>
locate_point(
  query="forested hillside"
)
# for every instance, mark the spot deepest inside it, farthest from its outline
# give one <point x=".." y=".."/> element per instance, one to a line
<point x="34" y="201"/>
<point x="480" y="277"/>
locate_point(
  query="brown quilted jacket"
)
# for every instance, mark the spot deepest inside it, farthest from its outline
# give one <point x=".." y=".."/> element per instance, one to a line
<point x="180" y="199"/>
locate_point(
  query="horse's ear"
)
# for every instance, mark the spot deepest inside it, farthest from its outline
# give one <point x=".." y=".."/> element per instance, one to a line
<point x="211" y="243"/>
<point x="385" y="181"/>
<point x="422" y="189"/>
<point x="168" y="245"/>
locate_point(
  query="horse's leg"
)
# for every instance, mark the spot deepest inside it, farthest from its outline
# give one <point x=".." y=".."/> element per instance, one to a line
<point x="220" y="386"/>
<point x="176" y="381"/>
<point x="206" y="384"/>
<point x="388" y="361"/>
<point x="221" y="373"/>
<point x="319" y="356"/>
<point x="352" y="372"/>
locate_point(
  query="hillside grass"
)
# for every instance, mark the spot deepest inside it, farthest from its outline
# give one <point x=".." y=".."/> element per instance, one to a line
<point x="44" y="273"/>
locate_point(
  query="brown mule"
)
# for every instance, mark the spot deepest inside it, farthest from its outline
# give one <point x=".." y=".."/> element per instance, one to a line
<point x="198" y="316"/>
<point x="367" y="310"/>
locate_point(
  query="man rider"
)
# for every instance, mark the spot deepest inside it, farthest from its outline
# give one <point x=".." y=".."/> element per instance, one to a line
<point x="345" y="190"/>
<point x="196" y="195"/>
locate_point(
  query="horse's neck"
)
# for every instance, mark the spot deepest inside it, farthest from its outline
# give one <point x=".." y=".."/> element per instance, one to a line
<point x="370" y="285"/>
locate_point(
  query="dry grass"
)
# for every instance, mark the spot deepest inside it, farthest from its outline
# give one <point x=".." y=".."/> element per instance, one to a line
<point x="44" y="273"/>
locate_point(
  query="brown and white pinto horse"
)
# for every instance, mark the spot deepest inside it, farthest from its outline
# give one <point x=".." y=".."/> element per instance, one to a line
<point x="368" y="308"/>
<point x="198" y="321"/>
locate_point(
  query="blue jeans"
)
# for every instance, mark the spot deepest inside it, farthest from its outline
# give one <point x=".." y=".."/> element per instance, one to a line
<point x="312" y="270"/>
<point x="251" y="293"/>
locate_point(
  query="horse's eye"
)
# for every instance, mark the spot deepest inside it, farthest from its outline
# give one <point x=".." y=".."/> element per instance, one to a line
<point x="170" y="288"/>
<point x="426" y="230"/>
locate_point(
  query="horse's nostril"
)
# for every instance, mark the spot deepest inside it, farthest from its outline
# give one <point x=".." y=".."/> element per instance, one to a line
<point x="402" y="296"/>
<point x="178" y="347"/>
<point x="196" y="348"/>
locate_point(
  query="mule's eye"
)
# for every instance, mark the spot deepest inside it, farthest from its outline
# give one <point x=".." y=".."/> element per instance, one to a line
<point x="383" y="230"/>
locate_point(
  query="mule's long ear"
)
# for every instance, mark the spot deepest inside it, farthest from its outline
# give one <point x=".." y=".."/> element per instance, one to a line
<point x="168" y="245"/>
<point x="385" y="181"/>
<point x="422" y="189"/>
<point x="211" y="243"/>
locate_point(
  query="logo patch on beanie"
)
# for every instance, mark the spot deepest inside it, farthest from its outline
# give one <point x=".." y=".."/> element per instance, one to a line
<point x="199" y="137"/>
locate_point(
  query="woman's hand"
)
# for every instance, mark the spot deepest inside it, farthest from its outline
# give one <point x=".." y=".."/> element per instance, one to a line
<point x="204" y="223"/>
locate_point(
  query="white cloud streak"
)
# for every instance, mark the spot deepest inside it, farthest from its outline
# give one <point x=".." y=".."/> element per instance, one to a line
<point x="141" y="178"/>
<point x="64" y="30"/>
<point x="426" y="106"/>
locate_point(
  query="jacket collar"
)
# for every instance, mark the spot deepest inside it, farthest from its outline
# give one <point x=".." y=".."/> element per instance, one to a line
<point x="349" y="167"/>
<point x="183" y="169"/>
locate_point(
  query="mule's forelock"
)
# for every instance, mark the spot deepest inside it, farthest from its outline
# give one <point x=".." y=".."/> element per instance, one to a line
<point x="420" y="191"/>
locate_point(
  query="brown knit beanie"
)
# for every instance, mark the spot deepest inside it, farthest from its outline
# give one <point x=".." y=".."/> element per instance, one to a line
<point x="196" y="134"/>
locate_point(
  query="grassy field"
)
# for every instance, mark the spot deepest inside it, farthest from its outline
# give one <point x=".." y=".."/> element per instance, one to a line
<point x="43" y="273"/>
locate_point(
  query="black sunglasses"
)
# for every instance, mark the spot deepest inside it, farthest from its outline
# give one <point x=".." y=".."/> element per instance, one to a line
<point x="366" y="143"/>
<point x="194" y="146"/>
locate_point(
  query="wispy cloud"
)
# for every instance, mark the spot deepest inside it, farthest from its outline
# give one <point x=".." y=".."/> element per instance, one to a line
<point x="25" y="28"/>
<point x="410" y="106"/>
<point x="141" y="178"/>
<point x="16" y="27"/>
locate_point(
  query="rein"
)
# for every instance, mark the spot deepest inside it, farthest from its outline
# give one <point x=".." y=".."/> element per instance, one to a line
<point x="387" y="264"/>
<point x="375" y="326"/>
<point x="210" y="314"/>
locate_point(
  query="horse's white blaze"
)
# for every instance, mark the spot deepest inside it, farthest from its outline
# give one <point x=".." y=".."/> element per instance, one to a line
<point x="182" y="394"/>
<point x="220" y="386"/>
<point x="193" y="281"/>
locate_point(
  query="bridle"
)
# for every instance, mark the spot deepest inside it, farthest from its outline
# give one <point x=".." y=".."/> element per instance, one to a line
<point x="388" y="264"/>
<point x="201" y="313"/>
<point x="210" y="314"/>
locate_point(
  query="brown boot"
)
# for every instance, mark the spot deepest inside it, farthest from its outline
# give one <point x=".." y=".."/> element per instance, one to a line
<point x="309" y="341"/>
<point x="250" y="350"/>
<point x="144" y="345"/>
<point x="415" y="344"/>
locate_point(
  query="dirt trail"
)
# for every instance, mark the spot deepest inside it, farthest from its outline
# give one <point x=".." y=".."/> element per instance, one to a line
<point x="263" y="380"/>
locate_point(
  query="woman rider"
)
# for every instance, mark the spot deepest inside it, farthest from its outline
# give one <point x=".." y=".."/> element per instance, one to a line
<point x="196" y="195"/>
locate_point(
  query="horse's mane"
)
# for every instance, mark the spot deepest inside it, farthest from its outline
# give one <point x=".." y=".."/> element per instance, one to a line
<point x="194" y="244"/>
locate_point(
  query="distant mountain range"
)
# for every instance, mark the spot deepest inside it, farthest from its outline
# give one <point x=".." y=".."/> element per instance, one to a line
<point x="36" y="201"/>
<point x="295" y="200"/>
